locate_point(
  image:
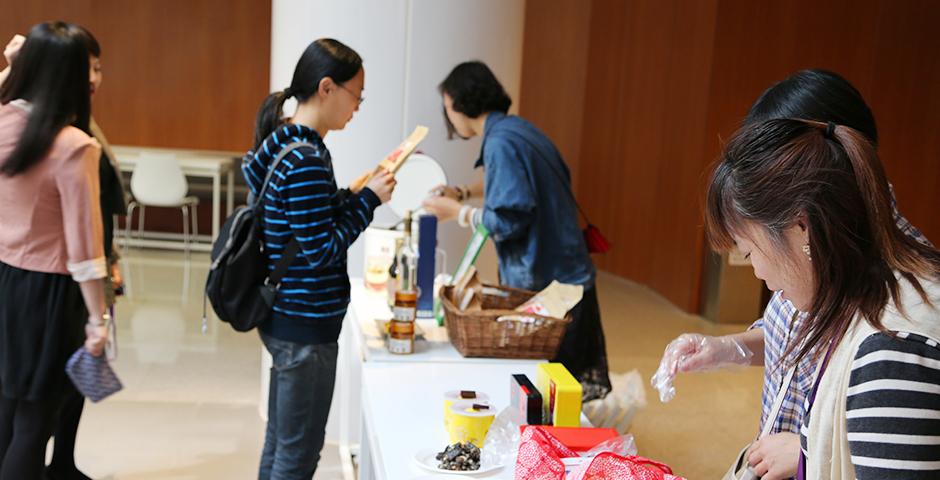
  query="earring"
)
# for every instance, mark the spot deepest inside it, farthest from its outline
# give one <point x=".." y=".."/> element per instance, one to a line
<point x="807" y="251"/>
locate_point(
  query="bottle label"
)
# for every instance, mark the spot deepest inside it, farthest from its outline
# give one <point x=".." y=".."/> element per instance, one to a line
<point x="404" y="314"/>
<point x="401" y="346"/>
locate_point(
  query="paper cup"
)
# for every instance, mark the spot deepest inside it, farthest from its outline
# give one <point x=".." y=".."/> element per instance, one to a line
<point x="454" y="396"/>
<point x="468" y="424"/>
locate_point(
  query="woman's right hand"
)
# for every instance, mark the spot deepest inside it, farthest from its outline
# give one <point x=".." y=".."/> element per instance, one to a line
<point x="13" y="48"/>
<point x="775" y="457"/>
<point x="96" y="337"/>
<point x="382" y="184"/>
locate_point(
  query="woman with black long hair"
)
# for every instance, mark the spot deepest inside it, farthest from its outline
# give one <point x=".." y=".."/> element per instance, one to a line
<point x="813" y="95"/>
<point x="51" y="256"/>
<point x="304" y="209"/>
<point x="809" y="204"/>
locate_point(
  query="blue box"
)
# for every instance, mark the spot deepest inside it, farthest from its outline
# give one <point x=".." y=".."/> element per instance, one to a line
<point x="427" y="246"/>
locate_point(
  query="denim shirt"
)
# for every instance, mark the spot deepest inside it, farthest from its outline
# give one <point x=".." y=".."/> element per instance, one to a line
<point x="532" y="218"/>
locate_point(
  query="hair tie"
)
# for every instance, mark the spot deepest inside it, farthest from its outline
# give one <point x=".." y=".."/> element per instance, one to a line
<point x="830" y="130"/>
<point x="288" y="92"/>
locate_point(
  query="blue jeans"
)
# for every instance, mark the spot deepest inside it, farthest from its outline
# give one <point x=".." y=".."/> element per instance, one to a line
<point x="302" y="378"/>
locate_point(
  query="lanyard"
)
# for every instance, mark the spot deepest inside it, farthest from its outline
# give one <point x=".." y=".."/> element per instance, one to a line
<point x="801" y="468"/>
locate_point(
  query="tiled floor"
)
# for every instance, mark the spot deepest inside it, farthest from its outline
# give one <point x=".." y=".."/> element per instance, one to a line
<point x="189" y="408"/>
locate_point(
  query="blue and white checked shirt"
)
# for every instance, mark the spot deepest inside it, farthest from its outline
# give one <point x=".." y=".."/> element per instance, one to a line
<point x="780" y="321"/>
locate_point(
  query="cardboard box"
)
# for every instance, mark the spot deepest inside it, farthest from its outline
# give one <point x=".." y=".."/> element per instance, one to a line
<point x="526" y="399"/>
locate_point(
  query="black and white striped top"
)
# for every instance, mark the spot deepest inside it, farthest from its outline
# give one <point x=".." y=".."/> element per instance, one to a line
<point x="893" y="408"/>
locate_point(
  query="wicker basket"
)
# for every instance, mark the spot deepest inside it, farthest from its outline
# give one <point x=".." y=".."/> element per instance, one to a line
<point x="480" y="334"/>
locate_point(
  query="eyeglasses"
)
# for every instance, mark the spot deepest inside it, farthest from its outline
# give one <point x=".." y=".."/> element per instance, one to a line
<point x="359" y="98"/>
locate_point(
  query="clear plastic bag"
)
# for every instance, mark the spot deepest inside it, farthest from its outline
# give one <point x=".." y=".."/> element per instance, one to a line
<point x="501" y="444"/>
<point x="617" y="409"/>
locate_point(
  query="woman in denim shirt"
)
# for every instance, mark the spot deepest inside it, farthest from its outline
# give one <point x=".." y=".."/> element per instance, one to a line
<point x="528" y="211"/>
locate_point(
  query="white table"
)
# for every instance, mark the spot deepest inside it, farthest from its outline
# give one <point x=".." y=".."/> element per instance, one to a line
<point x="402" y="407"/>
<point x="195" y="163"/>
<point x="361" y="343"/>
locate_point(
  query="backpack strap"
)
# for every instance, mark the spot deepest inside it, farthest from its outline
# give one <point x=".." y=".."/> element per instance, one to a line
<point x="255" y="200"/>
<point x="280" y="268"/>
<point x="292" y="247"/>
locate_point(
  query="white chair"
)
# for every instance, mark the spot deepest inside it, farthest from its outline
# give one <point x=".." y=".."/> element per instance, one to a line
<point x="158" y="181"/>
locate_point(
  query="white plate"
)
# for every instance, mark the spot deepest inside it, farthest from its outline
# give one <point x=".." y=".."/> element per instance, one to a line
<point x="416" y="177"/>
<point x="426" y="460"/>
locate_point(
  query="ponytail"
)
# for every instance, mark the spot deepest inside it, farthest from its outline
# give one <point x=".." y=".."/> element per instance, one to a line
<point x="899" y="251"/>
<point x="270" y="116"/>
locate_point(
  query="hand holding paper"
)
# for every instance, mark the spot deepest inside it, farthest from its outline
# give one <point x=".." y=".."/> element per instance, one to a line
<point x="393" y="161"/>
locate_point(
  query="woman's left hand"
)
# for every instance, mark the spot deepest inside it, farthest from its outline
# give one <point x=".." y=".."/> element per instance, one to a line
<point x="444" y="208"/>
<point x="775" y="457"/>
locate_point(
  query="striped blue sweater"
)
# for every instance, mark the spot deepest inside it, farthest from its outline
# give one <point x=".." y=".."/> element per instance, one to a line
<point x="304" y="202"/>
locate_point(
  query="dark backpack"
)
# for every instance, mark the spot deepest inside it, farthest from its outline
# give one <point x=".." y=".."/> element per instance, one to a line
<point x="238" y="286"/>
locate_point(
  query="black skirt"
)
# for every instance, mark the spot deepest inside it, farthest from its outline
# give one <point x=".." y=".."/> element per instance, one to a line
<point x="42" y="318"/>
<point x="583" y="350"/>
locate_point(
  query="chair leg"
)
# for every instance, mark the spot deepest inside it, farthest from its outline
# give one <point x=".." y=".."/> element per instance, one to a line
<point x="140" y="222"/>
<point x="195" y="217"/>
<point x="128" y="221"/>
<point x="185" y="210"/>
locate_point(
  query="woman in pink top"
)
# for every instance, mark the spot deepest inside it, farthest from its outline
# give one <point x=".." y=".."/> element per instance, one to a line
<point x="51" y="240"/>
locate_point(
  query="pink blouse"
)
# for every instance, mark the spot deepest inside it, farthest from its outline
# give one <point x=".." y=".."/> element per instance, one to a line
<point x="50" y="215"/>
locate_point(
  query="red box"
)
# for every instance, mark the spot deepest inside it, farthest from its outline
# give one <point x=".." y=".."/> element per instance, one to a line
<point x="579" y="439"/>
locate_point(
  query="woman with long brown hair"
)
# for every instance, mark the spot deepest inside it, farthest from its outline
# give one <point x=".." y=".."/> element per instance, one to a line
<point x="809" y="204"/>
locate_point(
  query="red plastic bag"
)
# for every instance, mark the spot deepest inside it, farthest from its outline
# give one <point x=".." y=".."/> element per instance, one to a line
<point x="610" y="466"/>
<point x="540" y="456"/>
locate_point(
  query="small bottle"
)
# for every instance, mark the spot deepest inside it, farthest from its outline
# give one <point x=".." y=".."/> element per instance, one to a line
<point x="401" y="335"/>
<point x="392" y="284"/>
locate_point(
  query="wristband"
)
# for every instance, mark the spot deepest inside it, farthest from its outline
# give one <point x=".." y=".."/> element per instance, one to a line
<point x="462" y="217"/>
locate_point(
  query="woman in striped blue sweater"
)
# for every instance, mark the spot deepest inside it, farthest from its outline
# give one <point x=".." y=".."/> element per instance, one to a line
<point x="304" y="203"/>
<point x="809" y="204"/>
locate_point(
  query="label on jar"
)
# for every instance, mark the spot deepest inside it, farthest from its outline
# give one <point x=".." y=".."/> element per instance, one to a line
<point x="401" y="345"/>
<point x="403" y="314"/>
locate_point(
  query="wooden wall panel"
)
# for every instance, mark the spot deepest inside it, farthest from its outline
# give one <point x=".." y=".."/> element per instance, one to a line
<point x="177" y="73"/>
<point x="554" y="73"/>
<point x="665" y="81"/>
<point x="644" y="125"/>
<point x="905" y="96"/>
<point x="886" y="49"/>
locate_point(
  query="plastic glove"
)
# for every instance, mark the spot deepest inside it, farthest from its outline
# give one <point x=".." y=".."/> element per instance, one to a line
<point x="691" y="352"/>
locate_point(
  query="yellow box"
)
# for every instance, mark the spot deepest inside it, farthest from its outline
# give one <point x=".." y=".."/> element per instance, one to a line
<point x="561" y="395"/>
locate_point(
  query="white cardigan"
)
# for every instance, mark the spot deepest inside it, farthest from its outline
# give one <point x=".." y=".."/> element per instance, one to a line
<point x="828" y="454"/>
